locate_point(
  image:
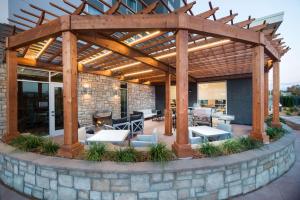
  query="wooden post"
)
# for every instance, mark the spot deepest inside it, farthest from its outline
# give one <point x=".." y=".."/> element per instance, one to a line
<point x="181" y="146"/>
<point x="168" y="111"/>
<point x="276" y="95"/>
<point x="12" y="97"/>
<point x="258" y="131"/>
<point x="266" y="93"/>
<point x="71" y="146"/>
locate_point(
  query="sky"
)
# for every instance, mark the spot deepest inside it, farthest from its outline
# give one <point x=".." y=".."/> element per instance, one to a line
<point x="289" y="29"/>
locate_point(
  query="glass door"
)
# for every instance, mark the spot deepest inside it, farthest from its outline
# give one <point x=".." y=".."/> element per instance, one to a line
<point x="56" y="110"/>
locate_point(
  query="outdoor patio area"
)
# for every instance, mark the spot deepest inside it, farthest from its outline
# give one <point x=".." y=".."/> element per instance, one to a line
<point x="150" y="125"/>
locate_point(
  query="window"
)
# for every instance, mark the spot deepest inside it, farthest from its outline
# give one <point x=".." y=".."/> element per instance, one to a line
<point x="213" y="95"/>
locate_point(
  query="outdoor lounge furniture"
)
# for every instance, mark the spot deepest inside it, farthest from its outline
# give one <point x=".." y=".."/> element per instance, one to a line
<point x="209" y="133"/>
<point x="145" y="140"/>
<point x="226" y="118"/>
<point x="83" y="135"/>
<point x="224" y="127"/>
<point x="147" y="113"/>
<point x="136" y="123"/>
<point x="202" y="116"/>
<point x="112" y="136"/>
<point x="193" y="138"/>
<point x="121" y="124"/>
<point x="158" y="116"/>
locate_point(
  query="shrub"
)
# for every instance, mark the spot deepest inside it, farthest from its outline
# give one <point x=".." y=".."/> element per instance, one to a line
<point x="126" y="155"/>
<point x="210" y="150"/>
<point x="288" y="113"/>
<point x="275" y="133"/>
<point x="249" y="143"/>
<point x="49" y="147"/>
<point x="96" y="152"/>
<point x="160" y="153"/>
<point x="232" y="146"/>
<point x="27" y="142"/>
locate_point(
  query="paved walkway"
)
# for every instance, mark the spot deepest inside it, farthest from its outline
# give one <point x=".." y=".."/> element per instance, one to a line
<point x="286" y="187"/>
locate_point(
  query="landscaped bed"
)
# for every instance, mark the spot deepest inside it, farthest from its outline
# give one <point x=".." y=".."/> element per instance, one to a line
<point x="156" y="153"/>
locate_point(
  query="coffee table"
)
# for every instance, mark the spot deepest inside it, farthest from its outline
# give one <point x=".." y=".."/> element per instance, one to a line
<point x="207" y="132"/>
<point x="113" y="136"/>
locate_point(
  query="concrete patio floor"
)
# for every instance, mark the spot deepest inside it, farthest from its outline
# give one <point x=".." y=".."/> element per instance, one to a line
<point x="284" y="188"/>
<point x="149" y="126"/>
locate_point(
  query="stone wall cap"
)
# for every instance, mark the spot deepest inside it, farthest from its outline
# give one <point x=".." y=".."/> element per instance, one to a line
<point x="146" y="167"/>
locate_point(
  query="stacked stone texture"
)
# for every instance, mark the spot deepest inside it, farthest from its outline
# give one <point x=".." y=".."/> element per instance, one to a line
<point x="215" y="182"/>
<point x="2" y="98"/>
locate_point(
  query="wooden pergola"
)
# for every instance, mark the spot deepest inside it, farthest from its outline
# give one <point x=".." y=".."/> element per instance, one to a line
<point x="144" y="47"/>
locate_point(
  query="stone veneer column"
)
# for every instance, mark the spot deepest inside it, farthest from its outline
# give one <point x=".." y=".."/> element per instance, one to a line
<point x="12" y="97"/>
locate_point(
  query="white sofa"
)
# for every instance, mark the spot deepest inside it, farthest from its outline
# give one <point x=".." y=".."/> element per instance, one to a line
<point x="147" y="113"/>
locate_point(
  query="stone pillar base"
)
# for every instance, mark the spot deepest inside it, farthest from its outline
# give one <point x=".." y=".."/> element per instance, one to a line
<point x="182" y="150"/>
<point x="70" y="151"/>
<point x="260" y="136"/>
<point x="276" y="124"/>
<point x="8" y="137"/>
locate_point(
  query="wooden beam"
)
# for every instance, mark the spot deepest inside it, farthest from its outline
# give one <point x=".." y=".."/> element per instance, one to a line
<point x="181" y="146"/>
<point x="39" y="33"/>
<point x="258" y="130"/>
<point x="37" y="64"/>
<point x="270" y="50"/>
<point x="276" y="95"/>
<point x="124" y="50"/>
<point x="71" y="146"/>
<point x="12" y="97"/>
<point x="168" y="111"/>
<point x="226" y="77"/>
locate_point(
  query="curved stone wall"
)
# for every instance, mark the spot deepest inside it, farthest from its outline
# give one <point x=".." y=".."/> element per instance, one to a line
<point x="214" y="178"/>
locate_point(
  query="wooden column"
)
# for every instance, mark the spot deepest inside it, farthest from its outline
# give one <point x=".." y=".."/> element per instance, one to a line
<point x="258" y="131"/>
<point x="276" y="95"/>
<point x="168" y="111"/>
<point x="71" y="146"/>
<point x="12" y="97"/>
<point x="266" y="93"/>
<point x="181" y="146"/>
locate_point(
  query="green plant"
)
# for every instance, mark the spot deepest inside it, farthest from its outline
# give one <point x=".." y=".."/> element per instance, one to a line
<point x="288" y="113"/>
<point x="160" y="153"/>
<point x="249" y="143"/>
<point x="49" y="147"/>
<point x="210" y="150"/>
<point x="96" y="152"/>
<point x="275" y="133"/>
<point x="126" y="155"/>
<point x="27" y="142"/>
<point x="232" y="146"/>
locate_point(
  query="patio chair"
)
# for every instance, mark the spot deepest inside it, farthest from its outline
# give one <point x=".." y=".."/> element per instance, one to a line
<point x="194" y="139"/>
<point x="83" y="135"/>
<point x="145" y="140"/>
<point x="136" y="124"/>
<point x="121" y="124"/>
<point x="227" y="128"/>
<point x="158" y="116"/>
<point x="202" y="116"/>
